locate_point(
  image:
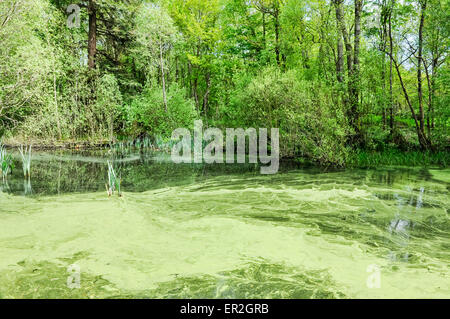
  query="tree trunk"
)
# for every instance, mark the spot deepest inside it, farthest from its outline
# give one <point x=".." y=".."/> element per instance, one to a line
<point x="419" y="68"/>
<point x="383" y="86"/>
<point x="163" y="80"/>
<point x="343" y="29"/>
<point x="92" y="36"/>
<point x="352" y="61"/>
<point x="355" y="80"/>
<point x="358" y="9"/>
<point x="424" y="144"/>
<point x="433" y="76"/>
<point x="264" y="28"/>
<point x="340" y="57"/>
<point x="430" y="83"/>
<point x="177" y="72"/>
<point x="383" y="36"/>
<point x="55" y="97"/>
<point x="111" y="127"/>
<point x="206" y="96"/>
<point x="391" y="97"/>
<point x="58" y="124"/>
<point x="277" y="36"/>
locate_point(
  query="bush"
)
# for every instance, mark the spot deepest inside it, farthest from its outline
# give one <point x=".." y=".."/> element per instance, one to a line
<point x="146" y="113"/>
<point x="311" y="122"/>
<point x="108" y="102"/>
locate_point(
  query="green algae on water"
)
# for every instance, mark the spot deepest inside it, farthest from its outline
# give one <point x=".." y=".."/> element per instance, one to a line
<point x="298" y="234"/>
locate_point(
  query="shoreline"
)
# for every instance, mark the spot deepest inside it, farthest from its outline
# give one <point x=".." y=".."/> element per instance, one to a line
<point x="359" y="159"/>
<point x="70" y="145"/>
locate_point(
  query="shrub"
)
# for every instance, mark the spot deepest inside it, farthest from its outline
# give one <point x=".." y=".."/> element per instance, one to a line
<point x="310" y="119"/>
<point x="146" y="113"/>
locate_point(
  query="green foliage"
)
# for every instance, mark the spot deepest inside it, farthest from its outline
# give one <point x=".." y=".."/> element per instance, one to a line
<point x="376" y="138"/>
<point x="23" y="61"/>
<point x="155" y="37"/>
<point x="233" y="63"/>
<point x="108" y="102"/>
<point x="146" y="114"/>
<point x="310" y="123"/>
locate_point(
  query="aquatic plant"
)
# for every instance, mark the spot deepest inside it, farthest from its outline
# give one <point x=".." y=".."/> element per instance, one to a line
<point x="163" y="144"/>
<point x="27" y="186"/>
<point x="130" y="145"/>
<point x="26" y="160"/>
<point x="147" y="143"/>
<point x="113" y="181"/>
<point x="6" y="162"/>
<point x="137" y="143"/>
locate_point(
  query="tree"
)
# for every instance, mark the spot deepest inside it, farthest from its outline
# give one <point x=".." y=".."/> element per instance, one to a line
<point x="109" y="101"/>
<point x="419" y="120"/>
<point x="197" y="21"/>
<point x="23" y="61"/>
<point x="157" y="34"/>
<point x="352" y="54"/>
<point x="272" y="8"/>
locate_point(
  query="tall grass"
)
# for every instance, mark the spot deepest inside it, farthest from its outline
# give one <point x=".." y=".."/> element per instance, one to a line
<point x="114" y="181"/>
<point x="393" y="157"/>
<point x="130" y="145"/>
<point x="26" y="160"/>
<point x="6" y="162"/>
<point x="164" y="144"/>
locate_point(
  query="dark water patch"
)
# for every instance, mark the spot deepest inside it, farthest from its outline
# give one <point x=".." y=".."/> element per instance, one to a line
<point x="47" y="280"/>
<point x="270" y="218"/>
<point x="256" y="280"/>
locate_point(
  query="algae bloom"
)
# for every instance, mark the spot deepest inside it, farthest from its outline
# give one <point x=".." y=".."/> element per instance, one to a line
<point x="215" y="231"/>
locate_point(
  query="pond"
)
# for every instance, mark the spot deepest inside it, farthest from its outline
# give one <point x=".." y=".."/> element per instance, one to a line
<point x="221" y="231"/>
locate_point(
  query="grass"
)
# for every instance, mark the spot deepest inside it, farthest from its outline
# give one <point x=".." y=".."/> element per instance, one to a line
<point x="393" y="157"/>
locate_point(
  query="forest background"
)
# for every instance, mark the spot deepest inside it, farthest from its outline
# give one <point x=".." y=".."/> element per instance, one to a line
<point x="346" y="81"/>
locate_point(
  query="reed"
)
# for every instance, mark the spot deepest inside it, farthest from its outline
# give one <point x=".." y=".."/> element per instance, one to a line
<point x="130" y="145"/>
<point x="26" y="160"/>
<point x="164" y="144"/>
<point x="147" y="143"/>
<point x="114" y="181"/>
<point x="6" y="162"/>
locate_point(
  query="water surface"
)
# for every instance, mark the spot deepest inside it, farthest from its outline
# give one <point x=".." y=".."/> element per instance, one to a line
<point x="222" y="231"/>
